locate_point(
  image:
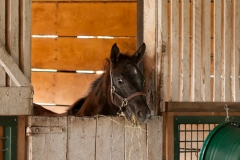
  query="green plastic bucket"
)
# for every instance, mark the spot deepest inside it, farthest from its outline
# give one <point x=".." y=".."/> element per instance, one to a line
<point x="222" y="143"/>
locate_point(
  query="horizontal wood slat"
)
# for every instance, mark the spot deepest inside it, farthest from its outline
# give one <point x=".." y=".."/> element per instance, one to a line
<point x="84" y="0"/>
<point x="94" y="19"/>
<point x="60" y="88"/>
<point x="76" y="54"/>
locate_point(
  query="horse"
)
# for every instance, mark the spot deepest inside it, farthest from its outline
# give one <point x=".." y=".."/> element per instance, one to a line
<point x="118" y="91"/>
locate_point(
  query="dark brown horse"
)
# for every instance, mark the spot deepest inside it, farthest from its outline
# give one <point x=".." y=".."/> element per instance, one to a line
<point x="119" y="90"/>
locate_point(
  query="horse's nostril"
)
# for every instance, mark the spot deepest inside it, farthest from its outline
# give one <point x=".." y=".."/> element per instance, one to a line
<point x="140" y="114"/>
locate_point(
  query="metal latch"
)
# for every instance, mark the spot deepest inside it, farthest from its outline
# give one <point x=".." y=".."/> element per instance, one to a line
<point x="44" y="130"/>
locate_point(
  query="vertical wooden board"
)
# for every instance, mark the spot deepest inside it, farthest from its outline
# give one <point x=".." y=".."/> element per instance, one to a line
<point x="163" y="32"/>
<point x="81" y="138"/>
<point x="48" y="146"/>
<point x="13" y="30"/>
<point x="118" y="138"/>
<point x="3" y="77"/>
<point x="185" y="51"/>
<point x="206" y="50"/>
<point x="235" y="51"/>
<point x="170" y="136"/>
<point x="21" y="149"/>
<point x="174" y="50"/>
<point x="217" y="50"/>
<point x="226" y="70"/>
<point x="103" y="138"/>
<point x="25" y="37"/>
<point x="2" y="22"/>
<point x="135" y="141"/>
<point x="155" y="138"/>
<point x="44" y="18"/>
<point x="149" y="37"/>
<point x="196" y="52"/>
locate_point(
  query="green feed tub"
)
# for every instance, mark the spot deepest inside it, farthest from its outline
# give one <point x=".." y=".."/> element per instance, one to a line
<point x="222" y="143"/>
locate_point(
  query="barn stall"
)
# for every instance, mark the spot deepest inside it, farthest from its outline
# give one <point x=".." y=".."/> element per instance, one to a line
<point x="180" y="47"/>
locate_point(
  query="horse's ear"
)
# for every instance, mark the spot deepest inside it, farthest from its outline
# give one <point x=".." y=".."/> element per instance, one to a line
<point x="138" y="55"/>
<point x="114" y="53"/>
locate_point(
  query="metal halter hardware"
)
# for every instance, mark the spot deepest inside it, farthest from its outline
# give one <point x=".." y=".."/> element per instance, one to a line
<point x="124" y="101"/>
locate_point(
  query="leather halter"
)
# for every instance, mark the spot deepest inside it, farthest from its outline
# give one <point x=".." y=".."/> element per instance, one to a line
<point x="124" y="101"/>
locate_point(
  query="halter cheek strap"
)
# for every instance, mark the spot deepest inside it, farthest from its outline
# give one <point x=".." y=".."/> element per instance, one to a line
<point x="124" y="101"/>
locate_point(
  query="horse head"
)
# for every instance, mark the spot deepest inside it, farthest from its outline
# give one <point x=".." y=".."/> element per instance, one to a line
<point x="127" y="85"/>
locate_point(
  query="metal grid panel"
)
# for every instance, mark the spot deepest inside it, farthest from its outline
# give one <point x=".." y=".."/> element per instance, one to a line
<point x="190" y="133"/>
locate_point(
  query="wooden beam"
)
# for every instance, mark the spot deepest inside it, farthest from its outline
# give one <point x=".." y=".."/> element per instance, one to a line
<point x="11" y="68"/>
<point x="202" y="106"/>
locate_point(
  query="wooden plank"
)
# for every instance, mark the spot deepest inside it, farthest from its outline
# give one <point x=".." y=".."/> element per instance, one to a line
<point x="202" y="106"/>
<point x="15" y="100"/>
<point x="196" y="52"/>
<point x="2" y="38"/>
<point x="25" y="38"/>
<point x="93" y="19"/>
<point x="118" y="138"/>
<point x="41" y="144"/>
<point x="11" y="68"/>
<point x="170" y="136"/>
<point x="174" y="50"/>
<point x="155" y="138"/>
<point x="75" y="54"/>
<point x="135" y="141"/>
<point x="149" y="37"/>
<point x="164" y="29"/>
<point x="44" y="18"/>
<point x="13" y="30"/>
<point x="83" y="0"/>
<point x="217" y="51"/>
<point x="21" y="152"/>
<point x="206" y="51"/>
<point x="52" y="87"/>
<point x="235" y="51"/>
<point x="185" y="51"/>
<point x="81" y="138"/>
<point x="226" y="70"/>
<point x="103" y="138"/>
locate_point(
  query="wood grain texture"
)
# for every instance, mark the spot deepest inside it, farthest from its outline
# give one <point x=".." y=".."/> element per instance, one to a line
<point x="60" y="88"/>
<point x="149" y="37"/>
<point x="185" y="51"/>
<point x="15" y="100"/>
<point x="41" y="144"/>
<point x="235" y="51"/>
<point x="174" y="51"/>
<point x="81" y="138"/>
<point x="92" y="19"/>
<point x="21" y="152"/>
<point x="155" y="138"/>
<point x="12" y="69"/>
<point x="76" y="54"/>
<point x="135" y="141"/>
<point x="83" y="0"/>
<point x="206" y="51"/>
<point x="118" y="138"/>
<point x="196" y="52"/>
<point x="217" y="50"/>
<point x="25" y="38"/>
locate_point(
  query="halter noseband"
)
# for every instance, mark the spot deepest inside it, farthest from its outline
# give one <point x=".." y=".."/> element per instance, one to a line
<point x="124" y="101"/>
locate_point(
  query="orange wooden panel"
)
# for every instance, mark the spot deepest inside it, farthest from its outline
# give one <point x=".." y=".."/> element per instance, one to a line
<point x="94" y="19"/>
<point x="76" y="54"/>
<point x="60" y="88"/>
<point x="44" y="18"/>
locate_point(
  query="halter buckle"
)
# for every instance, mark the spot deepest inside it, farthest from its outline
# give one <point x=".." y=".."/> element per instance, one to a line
<point x="124" y="102"/>
<point x="112" y="89"/>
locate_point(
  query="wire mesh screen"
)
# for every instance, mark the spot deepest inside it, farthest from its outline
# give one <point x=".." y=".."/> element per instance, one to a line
<point x="190" y="133"/>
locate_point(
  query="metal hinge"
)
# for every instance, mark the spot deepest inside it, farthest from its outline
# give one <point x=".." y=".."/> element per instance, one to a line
<point x="44" y="130"/>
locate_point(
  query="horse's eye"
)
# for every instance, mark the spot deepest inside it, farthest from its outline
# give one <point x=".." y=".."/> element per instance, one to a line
<point x="120" y="81"/>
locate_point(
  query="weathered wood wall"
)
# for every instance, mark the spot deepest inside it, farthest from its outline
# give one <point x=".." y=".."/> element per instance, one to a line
<point x="15" y="57"/>
<point x="66" y="52"/>
<point x="93" y="138"/>
<point x="200" y="43"/>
